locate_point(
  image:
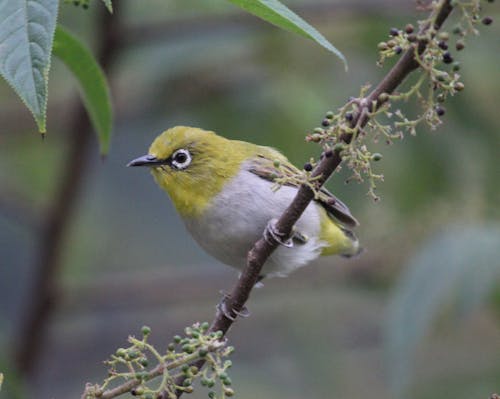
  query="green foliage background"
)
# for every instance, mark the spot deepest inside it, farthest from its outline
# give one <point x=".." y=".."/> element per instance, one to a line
<point x="128" y="260"/>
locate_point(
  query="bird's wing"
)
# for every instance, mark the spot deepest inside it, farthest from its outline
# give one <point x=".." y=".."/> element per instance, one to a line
<point x="270" y="164"/>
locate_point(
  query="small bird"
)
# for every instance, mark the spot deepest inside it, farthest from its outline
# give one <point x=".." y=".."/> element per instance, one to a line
<point x="224" y="191"/>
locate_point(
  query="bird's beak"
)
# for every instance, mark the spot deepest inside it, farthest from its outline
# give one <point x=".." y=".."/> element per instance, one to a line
<point x="146" y="160"/>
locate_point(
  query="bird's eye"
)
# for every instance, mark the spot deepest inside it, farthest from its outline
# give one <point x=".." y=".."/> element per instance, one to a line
<point x="181" y="159"/>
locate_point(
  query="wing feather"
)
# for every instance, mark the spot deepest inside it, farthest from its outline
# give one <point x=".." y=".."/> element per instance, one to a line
<point x="263" y="165"/>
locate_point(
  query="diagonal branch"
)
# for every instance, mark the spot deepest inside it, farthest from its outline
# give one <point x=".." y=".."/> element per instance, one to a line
<point x="263" y="248"/>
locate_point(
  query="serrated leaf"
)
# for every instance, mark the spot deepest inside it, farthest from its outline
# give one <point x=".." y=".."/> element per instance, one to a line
<point x="460" y="264"/>
<point x="280" y="15"/>
<point x="26" y="34"/>
<point x="108" y="5"/>
<point x="92" y="81"/>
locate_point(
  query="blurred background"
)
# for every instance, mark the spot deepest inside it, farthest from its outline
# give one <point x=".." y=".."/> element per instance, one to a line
<point x="90" y="250"/>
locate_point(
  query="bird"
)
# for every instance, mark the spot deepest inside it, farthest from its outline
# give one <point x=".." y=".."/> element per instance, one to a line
<point x="225" y="192"/>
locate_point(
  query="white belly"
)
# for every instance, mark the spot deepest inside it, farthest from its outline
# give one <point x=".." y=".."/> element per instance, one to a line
<point x="237" y="217"/>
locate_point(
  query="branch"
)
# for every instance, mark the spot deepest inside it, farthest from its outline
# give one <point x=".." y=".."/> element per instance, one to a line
<point x="263" y="248"/>
<point x="43" y="290"/>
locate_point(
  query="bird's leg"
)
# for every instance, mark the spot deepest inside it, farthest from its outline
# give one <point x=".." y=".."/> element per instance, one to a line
<point x="272" y="234"/>
<point x="231" y="314"/>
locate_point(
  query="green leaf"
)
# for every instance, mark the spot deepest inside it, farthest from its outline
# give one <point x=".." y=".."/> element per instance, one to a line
<point x="458" y="266"/>
<point x="108" y="5"/>
<point x="26" y="34"/>
<point x="280" y="15"/>
<point x="92" y="81"/>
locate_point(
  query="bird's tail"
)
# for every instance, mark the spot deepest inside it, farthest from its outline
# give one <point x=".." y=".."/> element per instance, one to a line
<point x="354" y="249"/>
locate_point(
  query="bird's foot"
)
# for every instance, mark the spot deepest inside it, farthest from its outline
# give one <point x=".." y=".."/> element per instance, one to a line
<point x="271" y="235"/>
<point x="228" y="312"/>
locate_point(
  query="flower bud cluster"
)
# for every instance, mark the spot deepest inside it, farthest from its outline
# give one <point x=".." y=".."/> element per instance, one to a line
<point x="155" y="375"/>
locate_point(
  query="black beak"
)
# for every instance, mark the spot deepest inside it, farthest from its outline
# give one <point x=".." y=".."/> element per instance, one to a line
<point x="146" y="160"/>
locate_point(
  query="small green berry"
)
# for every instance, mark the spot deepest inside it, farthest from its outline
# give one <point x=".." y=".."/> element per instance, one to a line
<point x="456" y="66"/>
<point x="229" y="391"/>
<point x="316" y="138"/>
<point x="189" y="389"/>
<point x="338" y="147"/>
<point x="459" y="86"/>
<point x="211" y="394"/>
<point x="121" y="352"/>
<point x="145" y="330"/>
<point x="177" y="339"/>
<point x="318" y="130"/>
<point x="203" y="352"/>
<point x="443" y="36"/>
<point x="185" y="368"/>
<point x="227" y="381"/>
<point x="143" y="362"/>
<point x="382" y="46"/>
<point x="187" y="382"/>
<point x="276" y="163"/>
<point x="329" y="115"/>
<point x="171" y="347"/>
<point x="376" y="157"/>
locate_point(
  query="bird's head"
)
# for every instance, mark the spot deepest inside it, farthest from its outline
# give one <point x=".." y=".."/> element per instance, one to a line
<point x="192" y="165"/>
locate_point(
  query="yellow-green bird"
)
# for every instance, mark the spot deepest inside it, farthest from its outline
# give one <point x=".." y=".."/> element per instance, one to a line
<point x="223" y="190"/>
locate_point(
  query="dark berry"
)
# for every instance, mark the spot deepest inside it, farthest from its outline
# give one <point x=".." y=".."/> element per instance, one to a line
<point x="447" y="58"/>
<point x="398" y="50"/>
<point x="442" y="45"/>
<point x="349" y="116"/>
<point x="328" y="153"/>
<point x="308" y="167"/>
<point x="394" y="32"/>
<point x="487" y="20"/>
<point x="325" y="122"/>
<point x="440" y="110"/>
<point x="460" y="45"/>
<point x="409" y="28"/>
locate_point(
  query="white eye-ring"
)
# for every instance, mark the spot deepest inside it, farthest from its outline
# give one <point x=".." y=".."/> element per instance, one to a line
<point x="181" y="159"/>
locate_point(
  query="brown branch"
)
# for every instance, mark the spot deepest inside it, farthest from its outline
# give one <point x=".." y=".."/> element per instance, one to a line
<point x="43" y="291"/>
<point x="263" y="248"/>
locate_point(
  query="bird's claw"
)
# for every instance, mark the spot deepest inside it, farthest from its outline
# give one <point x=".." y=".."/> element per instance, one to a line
<point x="231" y="314"/>
<point x="271" y="234"/>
